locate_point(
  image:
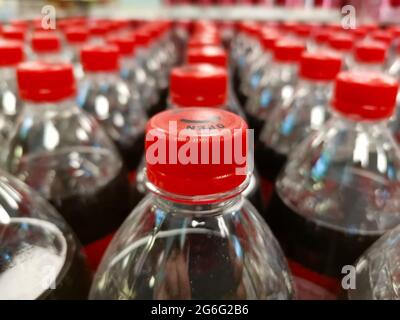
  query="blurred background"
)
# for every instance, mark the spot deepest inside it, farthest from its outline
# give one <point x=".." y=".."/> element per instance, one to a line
<point x="383" y="11"/>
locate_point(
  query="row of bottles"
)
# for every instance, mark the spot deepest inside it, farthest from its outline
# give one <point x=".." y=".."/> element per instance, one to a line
<point x="323" y="109"/>
<point x="194" y="214"/>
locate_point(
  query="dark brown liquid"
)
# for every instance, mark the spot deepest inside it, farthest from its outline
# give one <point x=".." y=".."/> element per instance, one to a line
<point x="133" y="153"/>
<point x="100" y="213"/>
<point x="162" y="103"/>
<point x="268" y="162"/>
<point x="316" y="247"/>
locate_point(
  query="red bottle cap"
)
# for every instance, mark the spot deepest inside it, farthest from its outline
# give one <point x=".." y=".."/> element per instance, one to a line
<point x="322" y="35"/>
<point x="212" y="55"/>
<point x="360" y="32"/>
<point x="303" y="30"/>
<point x="288" y="50"/>
<point x="13" y="33"/>
<point x="11" y="53"/>
<point x="199" y="85"/>
<point x="365" y="95"/>
<point x="201" y="41"/>
<point x="383" y="36"/>
<point x="341" y="42"/>
<point x="76" y="35"/>
<point x="142" y="37"/>
<point x="268" y="40"/>
<point x="19" y="23"/>
<point x="45" y="82"/>
<point x="100" y="58"/>
<point x="125" y="44"/>
<point x="45" y="42"/>
<point x="335" y="27"/>
<point x="198" y="166"/>
<point x="320" y="65"/>
<point x="98" y="29"/>
<point x="370" y="52"/>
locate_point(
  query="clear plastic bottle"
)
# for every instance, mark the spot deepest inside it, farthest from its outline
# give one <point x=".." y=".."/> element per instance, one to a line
<point x="216" y="56"/>
<point x="339" y="189"/>
<point x="162" y="58"/>
<point x="245" y="45"/>
<point x="343" y="44"/>
<point x="277" y="86"/>
<point x="106" y="96"/>
<point x="377" y="269"/>
<point x="262" y="64"/>
<point x="369" y="56"/>
<point x="292" y="122"/>
<point x="203" y="85"/>
<point x="11" y="53"/>
<point x="46" y="46"/>
<point x="140" y="75"/>
<point x="40" y="257"/>
<point x="194" y="236"/>
<point x="64" y="154"/>
<point x="76" y="38"/>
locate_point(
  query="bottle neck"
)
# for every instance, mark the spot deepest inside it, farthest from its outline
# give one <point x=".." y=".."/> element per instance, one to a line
<point x="202" y="204"/>
<point x="51" y="106"/>
<point x="7" y="73"/>
<point x="101" y="76"/>
<point x="209" y="209"/>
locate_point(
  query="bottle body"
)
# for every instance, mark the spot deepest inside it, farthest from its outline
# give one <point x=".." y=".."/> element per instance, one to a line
<point x="288" y="125"/>
<point x="377" y="269"/>
<point x="335" y="197"/>
<point x="107" y="97"/>
<point x="65" y="155"/>
<point x="40" y="257"/>
<point x="177" y="251"/>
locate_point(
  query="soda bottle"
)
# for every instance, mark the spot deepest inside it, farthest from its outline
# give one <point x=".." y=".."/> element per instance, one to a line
<point x="40" y="257"/>
<point x="343" y="44"/>
<point x="139" y="75"/>
<point x="11" y="53"/>
<point x="65" y="155"/>
<point x="277" y="86"/>
<point x="216" y="56"/>
<point x="245" y="45"/>
<point x="76" y="38"/>
<point x="369" y="56"/>
<point x="203" y="85"/>
<point x="339" y="189"/>
<point x="261" y="66"/>
<point x="194" y="236"/>
<point x="107" y="97"/>
<point x="377" y="270"/>
<point x="46" y="46"/>
<point x="290" y="123"/>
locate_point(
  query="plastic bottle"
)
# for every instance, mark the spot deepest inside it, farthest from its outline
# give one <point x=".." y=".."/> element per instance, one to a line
<point x="64" y="154"/>
<point x="277" y="86"/>
<point x="107" y="97"/>
<point x="11" y="53"/>
<point x="339" y="189"/>
<point x="377" y="270"/>
<point x="76" y="38"/>
<point x="194" y="236"/>
<point x="292" y="122"/>
<point x="40" y="257"/>
<point x="46" y="46"/>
